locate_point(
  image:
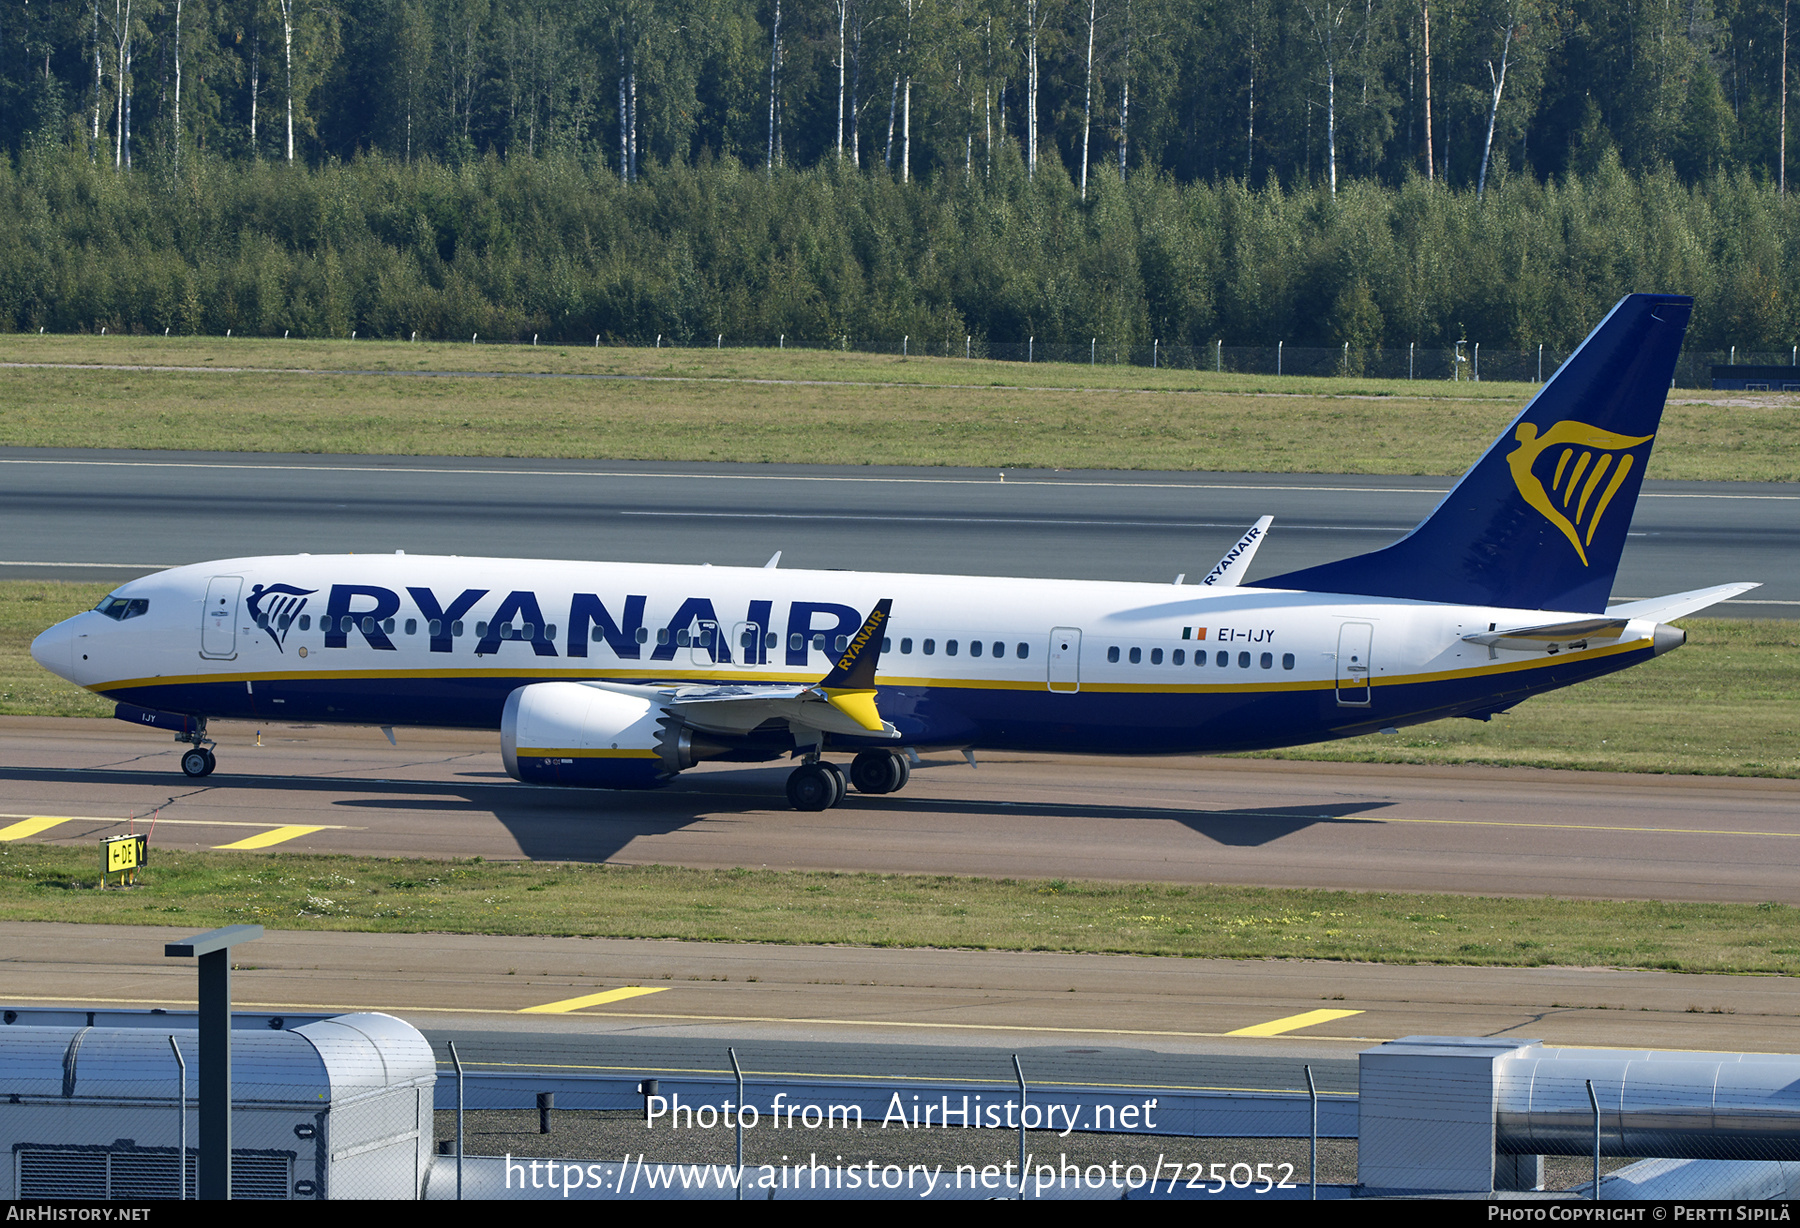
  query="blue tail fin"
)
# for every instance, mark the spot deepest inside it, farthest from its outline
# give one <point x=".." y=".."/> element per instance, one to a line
<point x="1540" y="521"/>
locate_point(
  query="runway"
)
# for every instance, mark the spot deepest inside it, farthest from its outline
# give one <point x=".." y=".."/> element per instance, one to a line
<point x="113" y="515"/>
<point x="1490" y="831"/>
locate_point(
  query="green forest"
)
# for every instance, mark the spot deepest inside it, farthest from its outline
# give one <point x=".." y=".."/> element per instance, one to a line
<point x="848" y="172"/>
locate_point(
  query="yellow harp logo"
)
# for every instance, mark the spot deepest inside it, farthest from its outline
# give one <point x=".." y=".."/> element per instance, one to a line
<point x="1587" y="472"/>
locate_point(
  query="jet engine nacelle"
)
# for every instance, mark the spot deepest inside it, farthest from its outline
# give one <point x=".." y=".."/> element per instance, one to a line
<point x="569" y="733"/>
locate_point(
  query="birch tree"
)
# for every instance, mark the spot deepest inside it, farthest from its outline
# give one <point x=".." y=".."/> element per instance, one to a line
<point x="1498" y="80"/>
<point x="1329" y="32"/>
<point x="1087" y="106"/>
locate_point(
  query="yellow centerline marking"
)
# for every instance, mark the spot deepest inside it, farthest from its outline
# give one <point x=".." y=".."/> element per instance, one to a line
<point x="1275" y="1027"/>
<point x="31" y="826"/>
<point x="263" y="840"/>
<point x="593" y="999"/>
<point x="1655" y="831"/>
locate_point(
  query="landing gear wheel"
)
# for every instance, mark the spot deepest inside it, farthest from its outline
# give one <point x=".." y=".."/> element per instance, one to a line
<point x="198" y="762"/>
<point x="839" y="788"/>
<point x="211" y="761"/>
<point x="879" y="771"/>
<point x="815" y="786"/>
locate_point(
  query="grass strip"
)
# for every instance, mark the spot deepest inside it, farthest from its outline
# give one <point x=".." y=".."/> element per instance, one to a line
<point x="287" y="891"/>
<point x="1724" y="704"/>
<point x="706" y="406"/>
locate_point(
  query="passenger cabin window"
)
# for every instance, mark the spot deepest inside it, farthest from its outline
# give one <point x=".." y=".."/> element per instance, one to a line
<point x="1243" y="660"/>
<point x="1222" y="660"/>
<point x="1156" y="656"/>
<point x="974" y="648"/>
<point x="906" y="645"/>
<point x="1112" y="655"/>
<point x="1024" y="650"/>
<point x="949" y="648"/>
<point x="306" y="622"/>
<point x="1137" y="656"/>
<point x="412" y="626"/>
<point x="1287" y="660"/>
<point x="1178" y="657"/>
<point x="930" y="647"/>
<point x="1268" y="660"/>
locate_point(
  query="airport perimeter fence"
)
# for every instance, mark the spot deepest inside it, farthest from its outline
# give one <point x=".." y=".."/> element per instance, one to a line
<point x="1464" y="361"/>
<point x="361" y="1107"/>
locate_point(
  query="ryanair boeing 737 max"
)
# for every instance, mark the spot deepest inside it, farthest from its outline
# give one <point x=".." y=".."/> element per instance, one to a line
<point x="617" y="675"/>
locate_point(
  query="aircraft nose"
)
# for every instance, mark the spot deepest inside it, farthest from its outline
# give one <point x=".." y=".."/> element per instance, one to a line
<point x="55" y="650"/>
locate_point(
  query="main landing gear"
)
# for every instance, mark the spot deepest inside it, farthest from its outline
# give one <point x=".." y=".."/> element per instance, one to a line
<point x="819" y="784"/>
<point x="199" y="761"/>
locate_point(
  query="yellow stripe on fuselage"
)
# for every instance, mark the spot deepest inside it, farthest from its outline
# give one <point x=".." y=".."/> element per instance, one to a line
<point x="750" y="675"/>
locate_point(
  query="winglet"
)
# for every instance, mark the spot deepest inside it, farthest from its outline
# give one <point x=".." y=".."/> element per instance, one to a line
<point x="1229" y="571"/>
<point x="850" y="686"/>
<point x="855" y="668"/>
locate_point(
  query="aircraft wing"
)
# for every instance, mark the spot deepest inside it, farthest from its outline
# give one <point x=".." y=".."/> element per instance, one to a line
<point x="1679" y="605"/>
<point x="841" y="702"/>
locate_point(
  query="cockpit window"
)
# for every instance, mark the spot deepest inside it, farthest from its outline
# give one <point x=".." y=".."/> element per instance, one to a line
<point x="121" y="608"/>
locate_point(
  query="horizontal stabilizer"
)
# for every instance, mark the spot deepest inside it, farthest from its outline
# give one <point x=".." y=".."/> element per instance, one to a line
<point x="1229" y="571"/>
<point x="1680" y="605"/>
<point x="1552" y="637"/>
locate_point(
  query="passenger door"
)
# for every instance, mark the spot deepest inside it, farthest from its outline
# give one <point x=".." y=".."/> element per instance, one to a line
<point x="1354" y="668"/>
<point x="1065" y="660"/>
<point x="218" y="622"/>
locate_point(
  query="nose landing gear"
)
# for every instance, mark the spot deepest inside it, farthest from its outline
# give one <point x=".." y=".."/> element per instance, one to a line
<point x="199" y="761"/>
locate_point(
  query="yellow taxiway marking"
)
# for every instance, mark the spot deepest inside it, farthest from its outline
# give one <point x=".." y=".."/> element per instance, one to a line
<point x="345" y="1008"/>
<point x="263" y="840"/>
<point x="31" y="825"/>
<point x="592" y="999"/>
<point x="1275" y="1027"/>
